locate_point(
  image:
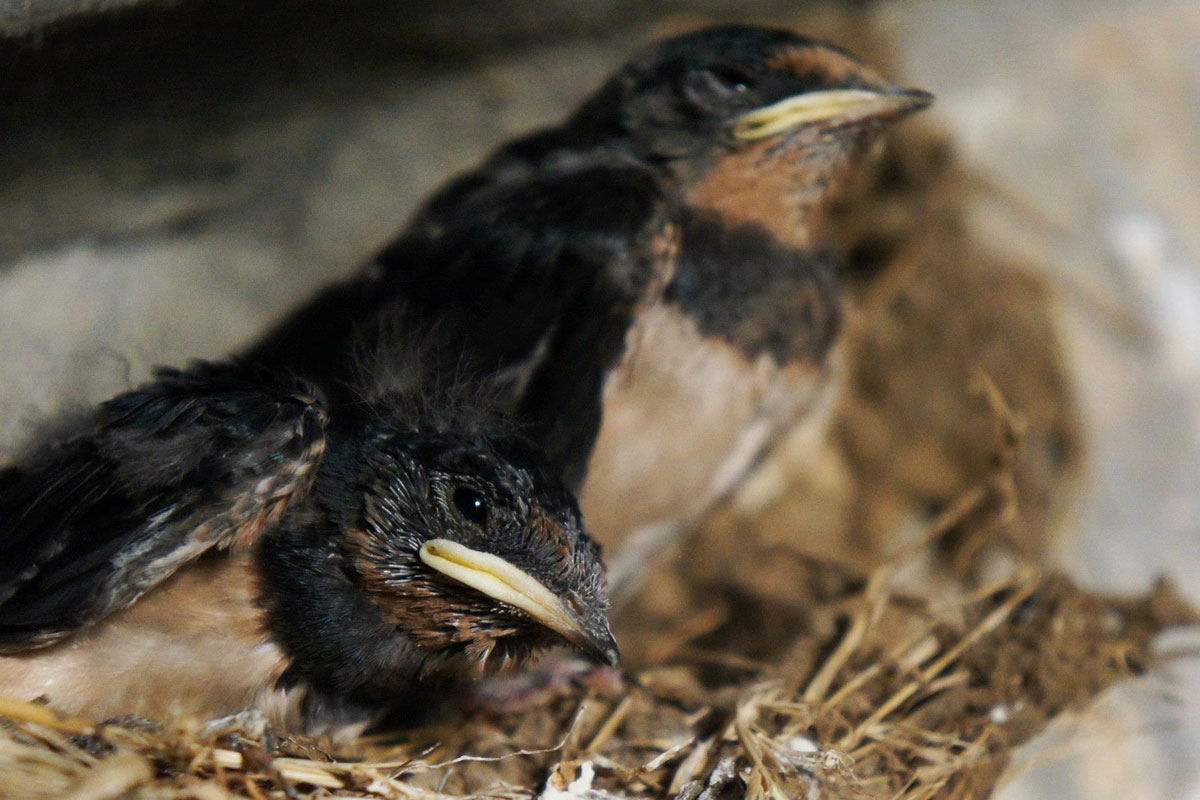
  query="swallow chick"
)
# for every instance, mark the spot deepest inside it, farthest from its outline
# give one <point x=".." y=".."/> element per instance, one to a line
<point x="214" y="541"/>
<point x="652" y="277"/>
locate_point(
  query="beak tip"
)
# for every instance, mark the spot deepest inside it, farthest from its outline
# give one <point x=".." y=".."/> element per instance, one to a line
<point x="900" y="102"/>
<point x="603" y="648"/>
<point x="918" y="99"/>
<point x="597" y="642"/>
<point x="611" y="656"/>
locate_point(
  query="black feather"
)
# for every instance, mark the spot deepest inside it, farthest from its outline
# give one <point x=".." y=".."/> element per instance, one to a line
<point x="90" y="524"/>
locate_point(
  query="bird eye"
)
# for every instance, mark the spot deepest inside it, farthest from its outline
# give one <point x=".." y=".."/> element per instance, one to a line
<point x="734" y="79"/>
<point x="470" y="504"/>
<point x="715" y="88"/>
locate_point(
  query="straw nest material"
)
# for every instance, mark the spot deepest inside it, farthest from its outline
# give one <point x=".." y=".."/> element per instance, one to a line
<point x="876" y="694"/>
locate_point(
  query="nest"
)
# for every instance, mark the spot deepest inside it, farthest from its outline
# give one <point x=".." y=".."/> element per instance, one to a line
<point x="882" y="694"/>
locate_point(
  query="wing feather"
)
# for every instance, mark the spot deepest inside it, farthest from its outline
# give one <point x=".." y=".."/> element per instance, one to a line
<point x="532" y="272"/>
<point x="208" y="457"/>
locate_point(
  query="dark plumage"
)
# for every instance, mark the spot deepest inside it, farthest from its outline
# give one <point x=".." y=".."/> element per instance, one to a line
<point x="328" y="547"/>
<point x="650" y="277"/>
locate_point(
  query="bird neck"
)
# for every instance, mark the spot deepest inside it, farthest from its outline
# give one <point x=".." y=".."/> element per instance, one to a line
<point x="785" y="187"/>
<point x="332" y="634"/>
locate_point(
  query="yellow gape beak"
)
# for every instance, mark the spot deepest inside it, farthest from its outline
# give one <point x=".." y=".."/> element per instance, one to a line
<point x="841" y="106"/>
<point x="504" y="583"/>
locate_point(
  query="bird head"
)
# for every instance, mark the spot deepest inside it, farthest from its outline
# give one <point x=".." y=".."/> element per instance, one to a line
<point x="733" y="85"/>
<point x="758" y="124"/>
<point x="432" y="552"/>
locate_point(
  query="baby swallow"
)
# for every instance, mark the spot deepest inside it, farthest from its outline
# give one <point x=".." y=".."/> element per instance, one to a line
<point x="215" y="541"/>
<point x="651" y="276"/>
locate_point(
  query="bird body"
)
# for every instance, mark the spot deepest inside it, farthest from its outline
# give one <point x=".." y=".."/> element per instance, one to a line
<point x="214" y="541"/>
<point x="194" y="646"/>
<point x="651" y="275"/>
<point x="701" y="407"/>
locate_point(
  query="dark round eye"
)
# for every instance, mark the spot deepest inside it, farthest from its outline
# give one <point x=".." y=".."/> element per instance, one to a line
<point x="734" y="79"/>
<point x="471" y="504"/>
<point x="716" y="88"/>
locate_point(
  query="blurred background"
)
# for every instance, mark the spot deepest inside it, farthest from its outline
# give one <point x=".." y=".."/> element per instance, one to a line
<point x="176" y="175"/>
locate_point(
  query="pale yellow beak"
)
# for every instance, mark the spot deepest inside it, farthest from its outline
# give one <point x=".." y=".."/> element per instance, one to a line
<point x="837" y="106"/>
<point x="504" y="583"/>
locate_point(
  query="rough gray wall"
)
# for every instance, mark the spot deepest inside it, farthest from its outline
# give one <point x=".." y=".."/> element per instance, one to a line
<point x="23" y="17"/>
